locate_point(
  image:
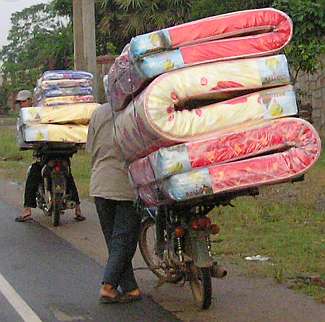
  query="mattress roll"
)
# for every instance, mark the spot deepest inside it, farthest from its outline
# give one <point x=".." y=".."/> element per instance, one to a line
<point x="65" y="133"/>
<point x="236" y="35"/>
<point x="297" y="145"/>
<point x="79" y="114"/>
<point x="193" y="103"/>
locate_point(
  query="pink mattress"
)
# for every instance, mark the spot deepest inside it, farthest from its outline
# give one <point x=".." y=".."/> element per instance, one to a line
<point x="193" y="103"/>
<point x="231" y="162"/>
<point x="236" y="35"/>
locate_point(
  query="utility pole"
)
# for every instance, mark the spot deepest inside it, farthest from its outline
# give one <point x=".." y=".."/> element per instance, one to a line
<point x="85" y="37"/>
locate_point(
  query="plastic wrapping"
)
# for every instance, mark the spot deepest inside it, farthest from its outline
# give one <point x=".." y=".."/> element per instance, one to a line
<point x="153" y="121"/>
<point x="66" y="74"/>
<point x="63" y="83"/>
<point x="236" y="35"/>
<point x="79" y="114"/>
<point x="55" y="133"/>
<point x="292" y="147"/>
<point x="64" y="91"/>
<point x="65" y="100"/>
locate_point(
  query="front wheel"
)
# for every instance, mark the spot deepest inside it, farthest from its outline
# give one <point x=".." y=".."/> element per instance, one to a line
<point x="200" y="281"/>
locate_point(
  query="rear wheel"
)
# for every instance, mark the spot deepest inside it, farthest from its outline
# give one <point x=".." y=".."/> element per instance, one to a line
<point x="56" y="211"/>
<point x="147" y="245"/>
<point x="200" y="281"/>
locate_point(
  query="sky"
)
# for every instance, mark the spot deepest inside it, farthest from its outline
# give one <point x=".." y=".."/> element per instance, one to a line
<point x="7" y="7"/>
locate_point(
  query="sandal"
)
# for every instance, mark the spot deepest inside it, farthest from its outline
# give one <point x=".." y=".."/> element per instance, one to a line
<point x="109" y="299"/>
<point x="128" y="298"/>
<point x="24" y="218"/>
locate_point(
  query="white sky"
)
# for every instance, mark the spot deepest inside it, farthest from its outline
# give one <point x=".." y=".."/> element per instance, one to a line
<point x="7" y="7"/>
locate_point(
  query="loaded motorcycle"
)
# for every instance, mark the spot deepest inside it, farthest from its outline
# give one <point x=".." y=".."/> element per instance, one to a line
<point x="175" y="243"/>
<point x="53" y="196"/>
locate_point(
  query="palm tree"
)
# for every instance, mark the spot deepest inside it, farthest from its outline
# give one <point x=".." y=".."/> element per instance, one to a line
<point x="123" y="19"/>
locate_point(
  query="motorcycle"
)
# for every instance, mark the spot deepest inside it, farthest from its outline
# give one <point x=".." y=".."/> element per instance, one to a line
<point x="53" y="196"/>
<point x="175" y="244"/>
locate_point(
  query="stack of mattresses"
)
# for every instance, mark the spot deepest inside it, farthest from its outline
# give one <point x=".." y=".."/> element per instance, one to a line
<point x="195" y="120"/>
<point x="64" y="106"/>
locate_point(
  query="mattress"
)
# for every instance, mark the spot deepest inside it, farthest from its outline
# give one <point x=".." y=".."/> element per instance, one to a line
<point x="236" y="35"/>
<point x="65" y="74"/>
<point x="65" y="100"/>
<point x="63" y="83"/>
<point x="78" y="114"/>
<point x="55" y="133"/>
<point x="64" y="91"/>
<point x="293" y="149"/>
<point x="195" y="102"/>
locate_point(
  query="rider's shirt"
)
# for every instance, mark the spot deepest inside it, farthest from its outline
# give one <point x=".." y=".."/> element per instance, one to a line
<point x="109" y="175"/>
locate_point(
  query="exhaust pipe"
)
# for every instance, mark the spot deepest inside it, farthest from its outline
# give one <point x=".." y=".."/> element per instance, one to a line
<point x="218" y="271"/>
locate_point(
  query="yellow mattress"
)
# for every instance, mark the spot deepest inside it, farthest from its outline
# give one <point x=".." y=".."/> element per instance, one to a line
<point x="55" y="133"/>
<point x="78" y="114"/>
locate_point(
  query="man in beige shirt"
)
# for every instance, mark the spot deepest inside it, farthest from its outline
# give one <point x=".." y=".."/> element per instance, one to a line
<point x="114" y="197"/>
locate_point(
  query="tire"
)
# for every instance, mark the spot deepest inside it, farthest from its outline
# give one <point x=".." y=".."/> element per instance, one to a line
<point x="200" y="281"/>
<point x="56" y="212"/>
<point x="147" y="249"/>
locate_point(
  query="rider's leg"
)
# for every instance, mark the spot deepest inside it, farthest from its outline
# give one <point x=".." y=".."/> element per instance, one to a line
<point x="72" y="189"/>
<point x="34" y="177"/>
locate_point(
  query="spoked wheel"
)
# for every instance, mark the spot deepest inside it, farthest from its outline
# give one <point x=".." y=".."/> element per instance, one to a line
<point x="200" y="281"/>
<point x="147" y="243"/>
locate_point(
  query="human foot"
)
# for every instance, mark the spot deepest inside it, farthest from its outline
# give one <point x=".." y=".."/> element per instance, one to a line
<point x="26" y="215"/>
<point x="108" y="294"/>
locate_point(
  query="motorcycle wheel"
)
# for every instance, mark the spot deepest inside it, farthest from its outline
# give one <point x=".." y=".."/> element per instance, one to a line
<point x="147" y="242"/>
<point x="200" y="282"/>
<point x="56" y="212"/>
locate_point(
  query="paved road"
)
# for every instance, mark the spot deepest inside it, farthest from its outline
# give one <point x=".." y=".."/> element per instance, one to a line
<point x="236" y="298"/>
<point x="44" y="278"/>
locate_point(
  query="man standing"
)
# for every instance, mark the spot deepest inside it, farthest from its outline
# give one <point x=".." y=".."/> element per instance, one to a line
<point x="114" y="197"/>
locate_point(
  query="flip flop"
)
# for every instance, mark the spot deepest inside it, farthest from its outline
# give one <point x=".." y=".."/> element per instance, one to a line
<point x="109" y="300"/>
<point x="79" y="218"/>
<point x="127" y="298"/>
<point x="23" y="218"/>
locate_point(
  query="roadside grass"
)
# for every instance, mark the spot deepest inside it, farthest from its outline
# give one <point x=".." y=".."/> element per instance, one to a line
<point x="285" y="222"/>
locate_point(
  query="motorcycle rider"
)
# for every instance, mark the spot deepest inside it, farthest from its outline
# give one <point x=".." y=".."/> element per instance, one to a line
<point x="34" y="176"/>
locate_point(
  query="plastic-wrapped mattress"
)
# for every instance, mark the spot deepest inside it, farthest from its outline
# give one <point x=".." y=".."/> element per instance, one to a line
<point x="65" y="74"/>
<point x="79" y="114"/>
<point x="192" y="103"/>
<point x="64" y="91"/>
<point x="235" y="35"/>
<point x="35" y="133"/>
<point x="63" y="83"/>
<point x="288" y="148"/>
<point x="65" y="100"/>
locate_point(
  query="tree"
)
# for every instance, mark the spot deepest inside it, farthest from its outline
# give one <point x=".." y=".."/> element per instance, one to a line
<point x="308" y="42"/>
<point x="308" y="18"/>
<point x="205" y="8"/>
<point x="122" y="19"/>
<point x="39" y="39"/>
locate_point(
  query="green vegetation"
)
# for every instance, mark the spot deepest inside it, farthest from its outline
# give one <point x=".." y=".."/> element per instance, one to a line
<point x="286" y="223"/>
